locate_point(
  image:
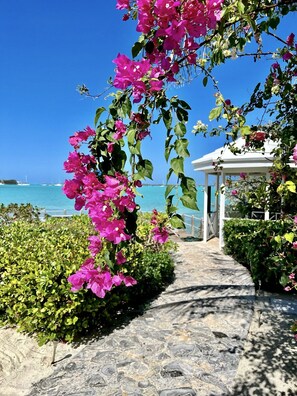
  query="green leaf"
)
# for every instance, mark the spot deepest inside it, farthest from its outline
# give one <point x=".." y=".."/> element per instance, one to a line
<point x="246" y="130"/>
<point x="169" y="188"/>
<point x="205" y="81"/>
<point x="284" y="280"/>
<point x="124" y="108"/>
<point x="215" y="113"/>
<point x="289" y="236"/>
<point x="189" y="202"/>
<point x="240" y="7"/>
<point x="274" y="22"/>
<point x="182" y="114"/>
<point x="137" y="47"/>
<point x="278" y="239"/>
<point x="291" y="186"/>
<point x="188" y="185"/>
<point x="168" y="151"/>
<point x="184" y="104"/>
<point x="135" y="148"/>
<point x="176" y="221"/>
<point x="171" y="209"/>
<point x="99" y="111"/>
<point x="167" y="118"/>
<point x="181" y="148"/>
<point x="177" y="165"/>
<point x="169" y="174"/>
<point x="180" y="129"/>
<point x="131" y="136"/>
<point x="145" y="168"/>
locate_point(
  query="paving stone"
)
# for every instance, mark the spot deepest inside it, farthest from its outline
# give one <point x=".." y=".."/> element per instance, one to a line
<point x="188" y="342"/>
<point x="178" y="392"/>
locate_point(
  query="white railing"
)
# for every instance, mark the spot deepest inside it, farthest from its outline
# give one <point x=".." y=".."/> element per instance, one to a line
<point x="193" y="225"/>
<point x="57" y="213"/>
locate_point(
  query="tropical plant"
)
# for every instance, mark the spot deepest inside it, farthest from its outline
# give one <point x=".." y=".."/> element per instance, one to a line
<point x="177" y="39"/>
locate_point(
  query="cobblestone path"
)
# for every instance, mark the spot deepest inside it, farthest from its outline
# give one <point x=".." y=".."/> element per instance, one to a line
<point x="187" y="342"/>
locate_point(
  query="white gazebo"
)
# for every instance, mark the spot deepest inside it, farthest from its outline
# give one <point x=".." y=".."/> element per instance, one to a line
<point x="222" y="162"/>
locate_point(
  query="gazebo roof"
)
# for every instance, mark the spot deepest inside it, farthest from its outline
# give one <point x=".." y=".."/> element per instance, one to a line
<point x="256" y="161"/>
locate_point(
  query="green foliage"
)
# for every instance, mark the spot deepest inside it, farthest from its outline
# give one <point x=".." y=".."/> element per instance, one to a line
<point x="37" y="258"/>
<point x="13" y="212"/>
<point x="259" y="246"/>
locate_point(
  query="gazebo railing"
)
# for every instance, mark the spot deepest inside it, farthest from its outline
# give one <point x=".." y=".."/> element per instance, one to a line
<point x="259" y="215"/>
<point x="194" y="225"/>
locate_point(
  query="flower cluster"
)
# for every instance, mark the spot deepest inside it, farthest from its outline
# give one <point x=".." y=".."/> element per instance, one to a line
<point x="160" y="232"/>
<point x="106" y="200"/>
<point x="98" y="280"/>
<point x="137" y="74"/>
<point x="172" y="29"/>
<point x="177" y="23"/>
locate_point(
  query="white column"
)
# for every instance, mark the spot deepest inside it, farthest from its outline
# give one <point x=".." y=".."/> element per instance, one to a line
<point x="205" y="219"/>
<point x="267" y="214"/>
<point x="222" y="210"/>
<point x="217" y="206"/>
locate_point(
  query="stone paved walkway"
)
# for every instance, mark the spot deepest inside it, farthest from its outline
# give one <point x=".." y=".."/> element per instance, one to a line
<point x="188" y="341"/>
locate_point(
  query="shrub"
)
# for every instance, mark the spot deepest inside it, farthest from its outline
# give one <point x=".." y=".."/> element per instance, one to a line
<point x="13" y="212"/>
<point x="264" y="247"/>
<point x="35" y="261"/>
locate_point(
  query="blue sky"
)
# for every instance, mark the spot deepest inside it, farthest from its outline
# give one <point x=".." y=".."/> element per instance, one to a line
<point x="47" y="49"/>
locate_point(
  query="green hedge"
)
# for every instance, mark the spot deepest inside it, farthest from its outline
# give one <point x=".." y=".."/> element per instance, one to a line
<point x="264" y="247"/>
<point x="13" y="212"/>
<point x="35" y="261"/>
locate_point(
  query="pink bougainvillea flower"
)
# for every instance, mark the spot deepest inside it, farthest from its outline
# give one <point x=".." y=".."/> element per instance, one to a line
<point x="73" y="163"/>
<point x="81" y="136"/>
<point x="127" y="280"/>
<point x="160" y="235"/>
<point x="138" y="183"/>
<point x="123" y="4"/>
<point x="227" y="102"/>
<point x="287" y="288"/>
<point x="121" y="259"/>
<point x="258" y="136"/>
<point x="71" y="188"/>
<point x="145" y="16"/>
<point x="242" y="175"/>
<point x="294" y="245"/>
<point x="295" y="220"/>
<point x="125" y="203"/>
<point x="83" y="275"/>
<point x="120" y="130"/>
<point x="156" y="85"/>
<point x="292" y="276"/>
<point x="79" y="202"/>
<point x="234" y="193"/>
<point x="114" y="231"/>
<point x="129" y="72"/>
<point x="287" y="55"/>
<point x="110" y="147"/>
<point x="143" y="134"/>
<point x="95" y="245"/>
<point x="290" y="39"/>
<point x="100" y="283"/>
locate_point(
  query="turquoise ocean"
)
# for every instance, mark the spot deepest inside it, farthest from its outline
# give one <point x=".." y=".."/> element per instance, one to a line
<point x="51" y="198"/>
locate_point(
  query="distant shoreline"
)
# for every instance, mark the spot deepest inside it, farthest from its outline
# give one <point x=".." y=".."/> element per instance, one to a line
<point x="8" y="181"/>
